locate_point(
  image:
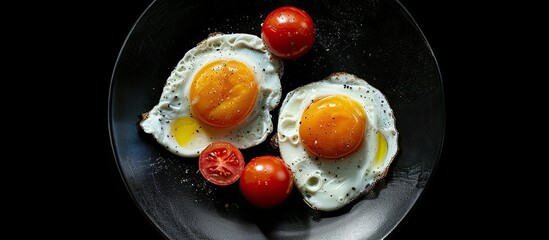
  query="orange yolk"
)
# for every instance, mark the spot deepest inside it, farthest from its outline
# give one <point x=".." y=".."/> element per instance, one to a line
<point x="332" y="127"/>
<point x="223" y="93"/>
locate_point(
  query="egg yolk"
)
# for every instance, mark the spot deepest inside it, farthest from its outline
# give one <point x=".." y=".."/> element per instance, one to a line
<point x="223" y="93"/>
<point x="381" y="151"/>
<point x="183" y="129"/>
<point x="333" y="126"/>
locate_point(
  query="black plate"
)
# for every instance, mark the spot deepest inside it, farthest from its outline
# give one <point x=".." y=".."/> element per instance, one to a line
<point x="375" y="40"/>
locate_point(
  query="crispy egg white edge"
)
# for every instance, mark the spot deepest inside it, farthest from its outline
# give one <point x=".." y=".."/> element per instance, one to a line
<point x="297" y="158"/>
<point x="173" y="104"/>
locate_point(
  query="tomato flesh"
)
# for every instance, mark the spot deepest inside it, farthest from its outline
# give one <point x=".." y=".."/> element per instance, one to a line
<point x="221" y="163"/>
<point x="266" y="181"/>
<point x="288" y="32"/>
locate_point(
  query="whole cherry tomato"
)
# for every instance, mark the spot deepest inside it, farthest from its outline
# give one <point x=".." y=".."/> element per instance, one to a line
<point x="266" y="181"/>
<point x="288" y="32"/>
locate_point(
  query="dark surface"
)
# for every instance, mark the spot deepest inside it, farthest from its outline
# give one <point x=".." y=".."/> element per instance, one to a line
<point x="127" y="221"/>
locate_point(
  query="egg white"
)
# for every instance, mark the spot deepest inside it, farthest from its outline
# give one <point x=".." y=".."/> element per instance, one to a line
<point x="329" y="184"/>
<point x="174" y="101"/>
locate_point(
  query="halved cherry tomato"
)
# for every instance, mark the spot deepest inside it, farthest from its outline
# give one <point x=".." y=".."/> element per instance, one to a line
<point x="221" y="163"/>
<point x="288" y="32"/>
<point x="266" y="181"/>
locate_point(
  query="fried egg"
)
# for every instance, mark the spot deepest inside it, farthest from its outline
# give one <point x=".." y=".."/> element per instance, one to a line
<point x="221" y="90"/>
<point x="338" y="137"/>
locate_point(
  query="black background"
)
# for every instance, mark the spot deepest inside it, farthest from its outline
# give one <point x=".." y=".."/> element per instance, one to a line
<point x="434" y="213"/>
